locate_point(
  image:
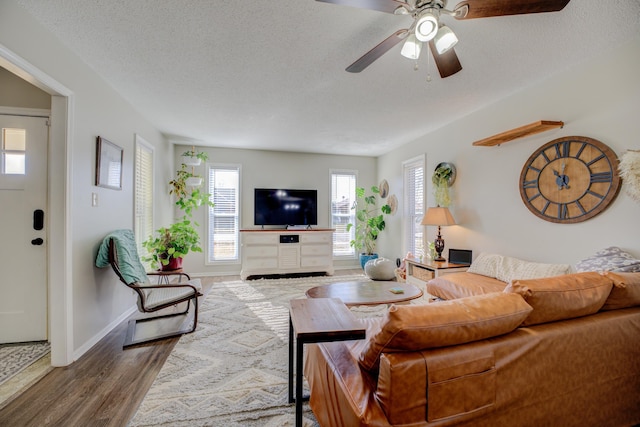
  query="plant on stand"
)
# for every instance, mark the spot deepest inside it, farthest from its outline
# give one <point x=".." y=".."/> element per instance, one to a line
<point x="168" y="245"/>
<point x="370" y="222"/>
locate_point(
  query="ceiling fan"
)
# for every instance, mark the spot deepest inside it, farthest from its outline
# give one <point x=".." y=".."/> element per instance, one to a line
<point x="426" y="27"/>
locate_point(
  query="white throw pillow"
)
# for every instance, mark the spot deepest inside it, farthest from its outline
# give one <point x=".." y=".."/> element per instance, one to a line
<point x="486" y="264"/>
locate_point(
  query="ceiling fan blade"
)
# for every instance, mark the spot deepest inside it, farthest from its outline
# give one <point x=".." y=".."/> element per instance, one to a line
<point x="367" y="59"/>
<point x="487" y="8"/>
<point x="388" y="6"/>
<point x="447" y="63"/>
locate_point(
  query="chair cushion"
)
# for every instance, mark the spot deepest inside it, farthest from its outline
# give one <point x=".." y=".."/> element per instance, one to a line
<point x="625" y="292"/>
<point x="155" y="297"/>
<point x="441" y="324"/>
<point x="562" y="297"/>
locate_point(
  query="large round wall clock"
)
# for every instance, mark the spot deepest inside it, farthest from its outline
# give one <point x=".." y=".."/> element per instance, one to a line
<point x="570" y="179"/>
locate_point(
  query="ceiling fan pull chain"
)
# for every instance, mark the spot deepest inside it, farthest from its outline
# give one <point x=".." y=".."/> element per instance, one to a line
<point x="428" y="68"/>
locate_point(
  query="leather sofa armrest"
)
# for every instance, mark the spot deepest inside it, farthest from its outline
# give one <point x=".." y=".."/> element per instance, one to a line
<point x="461" y="380"/>
<point x="402" y="387"/>
<point x="436" y="384"/>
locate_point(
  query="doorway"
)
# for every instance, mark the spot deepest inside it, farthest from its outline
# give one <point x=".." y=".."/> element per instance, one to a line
<point x="58" y="264"/>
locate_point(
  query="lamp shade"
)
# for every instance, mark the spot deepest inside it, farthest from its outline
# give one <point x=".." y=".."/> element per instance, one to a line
<point x="427" y="25"/>
<point x="438" y="216"/>
<point x="411" y="47"/>
<point x="445" y="39"/>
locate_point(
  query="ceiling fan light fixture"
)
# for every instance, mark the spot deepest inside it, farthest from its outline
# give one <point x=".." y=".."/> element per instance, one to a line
<point x="445" y="39"/>
<point x="411" y="47"/>
<point x="427" y="25"/>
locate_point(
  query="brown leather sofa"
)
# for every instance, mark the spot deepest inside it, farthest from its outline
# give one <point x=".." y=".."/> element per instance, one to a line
<point x="561" y="351"/>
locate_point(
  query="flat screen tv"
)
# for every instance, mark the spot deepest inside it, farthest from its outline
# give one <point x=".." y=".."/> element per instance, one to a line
<point x="284" y="207"/>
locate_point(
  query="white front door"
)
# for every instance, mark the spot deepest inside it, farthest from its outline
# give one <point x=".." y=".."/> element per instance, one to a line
<point x="23" y="231"/>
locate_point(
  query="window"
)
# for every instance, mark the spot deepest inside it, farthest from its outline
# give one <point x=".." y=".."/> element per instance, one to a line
<point x="143" y="193"/>
<point x="343" y="194"/>
<point x="14" y="148"/>
<point x="413" y="177"/>
<point x="224" y="187"/>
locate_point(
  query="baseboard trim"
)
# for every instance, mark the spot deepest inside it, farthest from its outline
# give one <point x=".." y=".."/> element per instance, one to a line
<point x="96" y="338"/>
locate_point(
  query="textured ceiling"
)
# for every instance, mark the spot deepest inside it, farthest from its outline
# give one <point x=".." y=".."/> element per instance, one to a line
<point x="269" y="74"/>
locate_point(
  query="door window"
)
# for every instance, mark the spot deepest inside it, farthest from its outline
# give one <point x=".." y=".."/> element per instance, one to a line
<point x="14" y="151"/>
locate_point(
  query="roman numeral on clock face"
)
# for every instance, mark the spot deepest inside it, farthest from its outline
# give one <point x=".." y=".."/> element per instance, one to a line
<point x="563" y="212"/>
<point x="601" y="177"/>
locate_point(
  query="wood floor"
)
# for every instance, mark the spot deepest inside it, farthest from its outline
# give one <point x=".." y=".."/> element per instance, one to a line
<point x="103" y="388"/>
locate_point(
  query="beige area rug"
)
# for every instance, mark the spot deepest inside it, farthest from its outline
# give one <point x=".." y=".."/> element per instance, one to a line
<point x="233" y="371"/>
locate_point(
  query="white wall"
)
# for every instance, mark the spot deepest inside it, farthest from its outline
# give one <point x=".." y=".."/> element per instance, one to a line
<point x="98" y="299"/>
<point x="274" y="169"/>
<point x="599" y="99"/>
<point x="15" y="92"/>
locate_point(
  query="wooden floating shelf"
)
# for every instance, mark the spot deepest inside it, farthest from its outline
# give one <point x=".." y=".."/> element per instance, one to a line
<point x="530" y="129"/>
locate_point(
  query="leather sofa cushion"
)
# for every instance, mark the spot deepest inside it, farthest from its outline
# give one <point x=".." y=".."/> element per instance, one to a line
<point x="625" y="292"/>
<point x="461" y="285"/>
<point x="441" y="324"/>
<point x="562" y="297"/>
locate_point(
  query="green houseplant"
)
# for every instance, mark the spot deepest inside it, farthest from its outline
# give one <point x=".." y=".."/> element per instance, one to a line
<point x="188" y="194"/>
<point x="370" y="222"/>
<point x="170" y="244"/>
<point x="166" y="248"/>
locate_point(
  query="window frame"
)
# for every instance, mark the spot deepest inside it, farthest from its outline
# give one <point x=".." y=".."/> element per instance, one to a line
<point x="352" y="252"/>
<point x="141" y="144"/>
<point x="412" y="216"/>
<point x="209" y="260"/>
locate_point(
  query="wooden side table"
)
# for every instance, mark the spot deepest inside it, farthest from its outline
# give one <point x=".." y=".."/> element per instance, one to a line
<point x="419" y="273"/>
<point x="312" y="321"/>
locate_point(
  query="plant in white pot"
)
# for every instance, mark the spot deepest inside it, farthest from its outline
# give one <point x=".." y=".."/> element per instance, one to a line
<point x="370" y="222"/>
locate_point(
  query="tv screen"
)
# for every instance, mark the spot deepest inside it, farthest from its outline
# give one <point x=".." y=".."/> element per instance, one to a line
<point x="285" y="207"/>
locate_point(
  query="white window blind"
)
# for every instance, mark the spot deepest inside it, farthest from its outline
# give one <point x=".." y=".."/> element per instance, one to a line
<point x="413" y="176"/>
<point x="343" y="194"/>
<point x="143" y="193"/>
<point x="223" y="236"/>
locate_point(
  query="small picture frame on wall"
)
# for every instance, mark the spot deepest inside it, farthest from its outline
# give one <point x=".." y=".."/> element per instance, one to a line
<point x="108" y="164"/>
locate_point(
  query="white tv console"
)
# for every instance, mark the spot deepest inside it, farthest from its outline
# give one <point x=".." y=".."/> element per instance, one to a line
<point x="286" y="251"/>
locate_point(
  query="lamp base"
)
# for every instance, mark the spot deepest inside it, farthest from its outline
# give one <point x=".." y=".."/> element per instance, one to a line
<point x="439" y="246"/>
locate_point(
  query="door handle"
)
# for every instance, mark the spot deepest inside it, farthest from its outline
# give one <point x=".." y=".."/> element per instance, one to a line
<point x="38" y="219"/>
<point x="37" y="242"/>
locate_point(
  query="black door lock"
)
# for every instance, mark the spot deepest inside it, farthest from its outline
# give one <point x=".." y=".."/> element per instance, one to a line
<point x="37" y="242"/>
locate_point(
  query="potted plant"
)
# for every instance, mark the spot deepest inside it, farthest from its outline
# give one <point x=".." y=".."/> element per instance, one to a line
<point x="193" y="158"/>
<point x="370" y="222"/>
<point x="443" y="177"/>
<point x="189" y="196"/>
<point x="169" y="245"/>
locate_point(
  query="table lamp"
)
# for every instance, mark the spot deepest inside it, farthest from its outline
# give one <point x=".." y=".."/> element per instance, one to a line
<point x="438" y="216"/>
